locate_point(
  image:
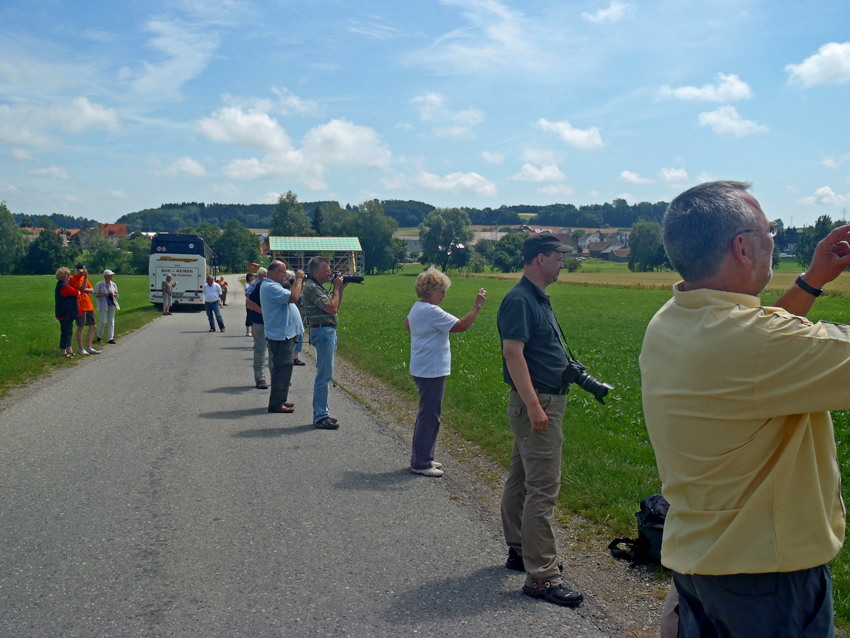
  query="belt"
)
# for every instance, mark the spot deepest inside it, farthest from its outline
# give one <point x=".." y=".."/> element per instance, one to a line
<point x="544" y="390"/>
<point x="324" y="325"/>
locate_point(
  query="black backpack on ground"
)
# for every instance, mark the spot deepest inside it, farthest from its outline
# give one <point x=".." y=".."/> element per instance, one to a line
<point x="647" y="547"/>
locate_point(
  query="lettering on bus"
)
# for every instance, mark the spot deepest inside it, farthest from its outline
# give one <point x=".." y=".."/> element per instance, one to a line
<point x="183" y="259"/>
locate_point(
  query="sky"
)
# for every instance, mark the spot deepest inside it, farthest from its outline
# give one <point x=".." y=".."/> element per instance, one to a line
<point x="107" y="108"/>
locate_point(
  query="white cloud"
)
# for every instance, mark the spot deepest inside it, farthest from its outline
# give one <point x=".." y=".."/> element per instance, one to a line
<point x="835" y="162"/>
<point x="825" y="195"/>
<point x="457" y="183"/>
<point x="673" y="176"/>
<point x="183" y="167"/>
<point x="495" y="36"/>
<point x="290" y="164"/>
<point x="449" y="123"/>
<point x="705" y="176"/>
<point x="339" y="142"/>
<point x="51" y="172"/>
<point x="532" y="173"/>
<point x="586" y="140"/>
<point x="21" y="155"/>
<point x="252" y="129"/>
<point x="830" y="65"/>
<point x="185" y="53"/>
<point x="616" y="11"/>
<point x="31" y="125"/>
<point x="71" y="199"/>
<point x="11" y="188"/>
<point x="225" y="189"/>
<point x="729" y="88"/>
<point x="492" y="157"/>
<point x="535" y="156"/>
<point x="727" y="120"/>
<point x="374" y="29"/>
<point x="626" y="196"/>
<point x="556" y="189"/>
<point x="634" y="178"/>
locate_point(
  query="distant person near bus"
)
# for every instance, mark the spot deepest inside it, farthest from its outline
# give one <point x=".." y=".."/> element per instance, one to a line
<point x="212" y="298"/>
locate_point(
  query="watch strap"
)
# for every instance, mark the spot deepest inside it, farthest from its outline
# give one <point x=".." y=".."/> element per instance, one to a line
<point x="815" y="292"/>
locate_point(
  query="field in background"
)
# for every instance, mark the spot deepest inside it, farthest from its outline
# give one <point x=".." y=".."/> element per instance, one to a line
<point x="29" y="331"/>
<point x="608" y="463"/>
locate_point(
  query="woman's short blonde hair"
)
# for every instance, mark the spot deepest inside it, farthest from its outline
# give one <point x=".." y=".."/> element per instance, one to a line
<point x="430" y="282"/>
<point x="62" y="273"/>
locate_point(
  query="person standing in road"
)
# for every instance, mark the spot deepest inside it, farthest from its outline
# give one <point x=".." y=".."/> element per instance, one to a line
<point x="223" y="285"/>
<point x="249" y="314"/>
<point x="431" y="361"/>
<point x="321" y="309"/>
<point x="736" y="397"/>
<point x="254" y="302"/>
<point x="534" y="359"/>
<point x="167" y="288"/>
<point x="106" y="292"/>
<point x="212" y="297"/>
<point x="80" y="281"/>
<point x="282" y="326"/>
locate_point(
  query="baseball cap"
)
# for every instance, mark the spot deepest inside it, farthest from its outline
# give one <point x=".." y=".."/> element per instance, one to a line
<point x="108" y="272"/>
<point x="542" y="243"/>
<point x="80" y="266"/>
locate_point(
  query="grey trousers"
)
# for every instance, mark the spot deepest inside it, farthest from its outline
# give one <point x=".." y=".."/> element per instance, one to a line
<point x="427" y="421"/>
<point x="280" y="352"/>
<point x="532" y="486"/>
<point x="260" y="347"/>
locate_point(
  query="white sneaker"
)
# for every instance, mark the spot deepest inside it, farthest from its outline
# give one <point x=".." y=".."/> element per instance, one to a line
<point x="428" y="471"/>
<point x="93" y="351"/>
<point x="84" y="351"/>
<point x="436" y="465"/>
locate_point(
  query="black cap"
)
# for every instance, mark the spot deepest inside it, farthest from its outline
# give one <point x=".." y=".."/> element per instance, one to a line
<point x="542" y="243"/>
<point x="80" y="266"/>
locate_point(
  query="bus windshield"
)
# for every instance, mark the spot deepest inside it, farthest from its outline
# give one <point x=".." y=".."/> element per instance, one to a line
<point x="178" y="244"/>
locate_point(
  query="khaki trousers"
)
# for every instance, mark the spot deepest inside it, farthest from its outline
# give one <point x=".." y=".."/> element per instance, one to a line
<point x="532" y="486"/>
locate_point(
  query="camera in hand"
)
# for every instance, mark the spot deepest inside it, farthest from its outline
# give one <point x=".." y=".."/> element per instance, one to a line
<point x="575" y="373"/>
<point x="349" y="279"/>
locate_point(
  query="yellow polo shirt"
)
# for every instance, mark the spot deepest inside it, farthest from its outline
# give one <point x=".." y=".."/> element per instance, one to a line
<point x="736" y="398"/>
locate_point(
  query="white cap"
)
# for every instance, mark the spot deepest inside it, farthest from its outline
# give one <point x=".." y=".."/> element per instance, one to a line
<point x="107" y="272"/>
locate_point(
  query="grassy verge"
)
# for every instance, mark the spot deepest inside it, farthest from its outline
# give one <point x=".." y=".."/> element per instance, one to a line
<point x="29" y="331"/>
<point x="608" y="463"/>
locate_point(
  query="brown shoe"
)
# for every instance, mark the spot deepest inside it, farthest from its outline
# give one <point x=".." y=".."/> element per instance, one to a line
<point x="282" y="410"/>
<point x="262" y="385"/>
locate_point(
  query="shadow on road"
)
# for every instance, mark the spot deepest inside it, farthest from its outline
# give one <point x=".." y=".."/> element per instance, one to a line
<point x="270" y="433"/>
<point x="480" y="592"/>
<point x="368" y="481"/>
<point x="234" y="414"/>
<point x="235" y="389"/>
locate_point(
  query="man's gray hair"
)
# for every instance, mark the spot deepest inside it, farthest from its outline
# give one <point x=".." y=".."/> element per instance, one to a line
<point x="700" y="224"/>
<point x="262" y="271"/>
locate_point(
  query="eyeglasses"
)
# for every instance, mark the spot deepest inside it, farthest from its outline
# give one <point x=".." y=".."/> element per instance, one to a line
<point x="772" y="229"/>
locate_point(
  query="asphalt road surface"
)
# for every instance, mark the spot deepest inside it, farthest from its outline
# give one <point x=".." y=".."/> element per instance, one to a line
<point x="149" y="493"/>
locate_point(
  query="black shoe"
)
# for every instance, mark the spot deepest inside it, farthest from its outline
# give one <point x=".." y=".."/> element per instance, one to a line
<point x="556" y="594"/>
<point x="326" y="424"/>
<point x="112" y="341"/>
<point x="262" y="385"/>
<point x="298" y="362"/>
<point x="514" y="561"/>
<point x="98" y="339"/>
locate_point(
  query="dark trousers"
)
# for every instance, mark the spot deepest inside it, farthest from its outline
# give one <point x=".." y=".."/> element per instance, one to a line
<point x="427" y="421"/>
<point x="212" y="308"/>
<point x="775" y="605"/>
<point x="66" y="332"/>
<point x="281" y="360"/>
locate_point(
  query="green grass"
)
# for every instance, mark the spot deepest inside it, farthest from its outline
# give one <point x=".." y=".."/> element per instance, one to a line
<point x="29" y="331"/>
<point x="608" y="463"/>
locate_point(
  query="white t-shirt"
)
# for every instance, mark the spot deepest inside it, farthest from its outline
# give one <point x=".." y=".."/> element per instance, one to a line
<point x="212" y="293"/>
<point x="430" y="354"/>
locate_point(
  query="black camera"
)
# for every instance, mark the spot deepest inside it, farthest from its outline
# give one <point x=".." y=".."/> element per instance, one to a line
<point x="575" y="373"/>
<point x="349" y="279"/>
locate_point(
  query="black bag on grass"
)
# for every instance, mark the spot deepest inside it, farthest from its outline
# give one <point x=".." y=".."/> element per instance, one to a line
<point x="647" y="547"/>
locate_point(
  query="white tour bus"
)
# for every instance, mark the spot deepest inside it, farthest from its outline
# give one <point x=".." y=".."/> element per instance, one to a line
<point x="185" y="258"/>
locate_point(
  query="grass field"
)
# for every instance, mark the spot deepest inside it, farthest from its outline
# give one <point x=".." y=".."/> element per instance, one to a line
<point x="29" y="331"/>
<point x="608" y="463"/>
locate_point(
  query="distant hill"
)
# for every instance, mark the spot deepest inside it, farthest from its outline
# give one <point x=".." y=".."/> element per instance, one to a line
<point x="60" y="221"/>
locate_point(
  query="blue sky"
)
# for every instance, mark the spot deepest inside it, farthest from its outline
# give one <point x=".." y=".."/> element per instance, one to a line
<point x="111" y="107"/>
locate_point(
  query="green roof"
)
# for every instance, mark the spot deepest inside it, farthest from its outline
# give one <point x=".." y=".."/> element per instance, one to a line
<point x="314" y="244"/>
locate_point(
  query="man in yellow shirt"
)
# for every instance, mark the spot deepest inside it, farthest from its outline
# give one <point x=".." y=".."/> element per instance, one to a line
<point x="737" y="397"/>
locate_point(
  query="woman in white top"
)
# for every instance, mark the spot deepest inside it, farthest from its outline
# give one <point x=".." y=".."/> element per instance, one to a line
<point x="431" y="361"/>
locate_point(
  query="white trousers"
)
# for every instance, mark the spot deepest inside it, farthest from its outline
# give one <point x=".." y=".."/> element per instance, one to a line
<point x="106" y="317"/>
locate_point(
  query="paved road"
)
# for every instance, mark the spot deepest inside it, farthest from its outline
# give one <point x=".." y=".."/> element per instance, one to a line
<point x="149" y="493"/>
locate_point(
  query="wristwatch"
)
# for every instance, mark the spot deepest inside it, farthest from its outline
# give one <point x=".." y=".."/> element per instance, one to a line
<point x="815" y="292"/>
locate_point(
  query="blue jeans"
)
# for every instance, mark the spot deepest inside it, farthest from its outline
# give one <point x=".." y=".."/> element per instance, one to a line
<point x="323" y="339"/>
<point x="213" y="308"/>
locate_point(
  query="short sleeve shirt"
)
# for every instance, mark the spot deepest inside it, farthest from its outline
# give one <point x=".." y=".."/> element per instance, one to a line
<point x="526" y="315"/>
<point x="85" y="300"/>
<point x="430" y="353"/>
<point x="316" y="297"/>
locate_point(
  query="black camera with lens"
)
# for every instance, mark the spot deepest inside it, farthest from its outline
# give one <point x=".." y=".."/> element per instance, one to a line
<point x="575" y="373"/>
<point x="348" y="279"/>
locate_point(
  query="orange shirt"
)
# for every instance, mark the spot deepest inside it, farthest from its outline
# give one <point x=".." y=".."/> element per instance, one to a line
<point x="85" y="300"/>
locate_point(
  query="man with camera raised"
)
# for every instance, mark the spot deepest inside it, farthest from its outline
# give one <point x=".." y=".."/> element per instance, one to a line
<point x="534" y="361"/>
<point x="737" y="397"/>
<point x="320" y="312"/>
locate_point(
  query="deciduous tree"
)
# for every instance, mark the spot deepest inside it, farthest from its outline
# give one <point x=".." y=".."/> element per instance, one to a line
<point x="237" y="247"/>
<point x="507" y="255"/>
<point x="13" y="244"/>
<point x="646" y="247"/>
<point x="808" y="238"/>
<point x="444" y="231"/>
<point x="289" y="218"/>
